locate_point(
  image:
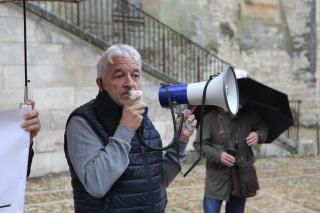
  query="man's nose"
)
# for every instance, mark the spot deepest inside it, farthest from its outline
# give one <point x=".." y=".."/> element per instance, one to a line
<point x="129" y="81"/>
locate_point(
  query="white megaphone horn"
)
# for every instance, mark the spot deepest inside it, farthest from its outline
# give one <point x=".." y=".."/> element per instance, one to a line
<point x="222" y="91"/>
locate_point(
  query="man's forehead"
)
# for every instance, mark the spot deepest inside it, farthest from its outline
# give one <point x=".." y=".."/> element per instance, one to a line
<point x="123" y="60"/>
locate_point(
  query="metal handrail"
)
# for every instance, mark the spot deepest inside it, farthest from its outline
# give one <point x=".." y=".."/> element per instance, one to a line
<point x="119" y="21"/>
<point x="293" y="131"/>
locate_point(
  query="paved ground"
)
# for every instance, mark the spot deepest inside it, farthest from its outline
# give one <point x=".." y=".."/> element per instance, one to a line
<point x="287" y="185"/>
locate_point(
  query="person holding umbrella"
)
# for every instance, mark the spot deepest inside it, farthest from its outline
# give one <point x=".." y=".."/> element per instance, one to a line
<point x="227" y="147"/>
<point x="18" y="129"/>
<point x="31" y="124"/>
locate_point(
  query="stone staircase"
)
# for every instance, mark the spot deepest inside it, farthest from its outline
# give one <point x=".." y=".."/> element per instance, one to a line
<point x="166" y="53"/>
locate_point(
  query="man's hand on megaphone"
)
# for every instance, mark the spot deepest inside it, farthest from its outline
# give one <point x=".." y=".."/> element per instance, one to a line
<point x="132" y="112"/>
<point x="189" y="124"/>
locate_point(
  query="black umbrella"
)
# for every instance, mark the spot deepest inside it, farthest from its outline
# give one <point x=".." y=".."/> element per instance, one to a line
<point x="25" y="37"/>
<point x="272" y="106"/>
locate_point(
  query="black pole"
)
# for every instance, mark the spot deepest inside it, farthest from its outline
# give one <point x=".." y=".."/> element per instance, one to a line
<point x="163" y="53"/>
<point x="198" y="69"/>
<point x="318" y="139"/>
<point x="123" y="22"/>
<point x="25" y="52"/>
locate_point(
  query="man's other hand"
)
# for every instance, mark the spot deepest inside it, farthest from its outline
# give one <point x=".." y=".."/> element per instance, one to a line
<point x="189" y="124"/>
<point x="227" y="159"/>
<point x="252" y="139"/>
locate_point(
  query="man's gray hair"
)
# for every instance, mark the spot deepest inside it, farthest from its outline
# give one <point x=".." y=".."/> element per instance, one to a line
<point x="120" y="50"/>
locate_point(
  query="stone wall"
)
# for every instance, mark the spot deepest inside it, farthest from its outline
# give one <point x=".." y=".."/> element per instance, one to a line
<point x="62" y="74"/>
<point x="62" y="67"/>
<point x="270" y="39"/>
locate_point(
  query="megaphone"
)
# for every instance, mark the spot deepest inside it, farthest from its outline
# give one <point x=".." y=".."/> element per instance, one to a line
<point x="222" y="91"/>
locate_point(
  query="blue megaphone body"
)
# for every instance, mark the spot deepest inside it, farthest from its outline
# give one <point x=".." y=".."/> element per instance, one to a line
<point x="222" y="91"/>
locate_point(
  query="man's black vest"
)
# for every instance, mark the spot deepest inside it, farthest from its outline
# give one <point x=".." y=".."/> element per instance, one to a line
<point x="139" y="189"/>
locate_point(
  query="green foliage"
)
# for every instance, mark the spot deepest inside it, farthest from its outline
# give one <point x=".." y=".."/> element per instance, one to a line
<point x="294" y="151"/>
<point x="311" y="126"/>
<point x="258" y="148"/>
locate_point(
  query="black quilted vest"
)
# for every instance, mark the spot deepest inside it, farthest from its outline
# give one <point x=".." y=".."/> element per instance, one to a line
<point x="139" y="189"/>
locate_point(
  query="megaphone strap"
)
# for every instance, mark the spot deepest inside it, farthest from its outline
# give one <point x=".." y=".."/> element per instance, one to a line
<point x="203" y="102"/>
<point x="176" y="133"/>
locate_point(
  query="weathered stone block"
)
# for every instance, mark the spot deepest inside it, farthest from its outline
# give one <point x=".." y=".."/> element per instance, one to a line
<point x="48" y="162"/>
<point x="11" y="53"/>
<point x="7" y="32"/>
<point x="45" y="54"/>
<point x="1" y="78"/>
<point x="13" y="77"/>
<point x="85" y="75"/>
<point x="60" y="75"/>
<point x="11" y="98"/>
<point x="54" y="119"/>
<point x="273" y="150"/>
<point x="41" y="164"/>
<point x="54" y="98"/>
<point x="75" y="54"/>
<point x="49" y="33"/>
<point x="85" y="94"/>
<point x="49" y="141"/>
<point x="306" y="148"/>
<point x="59" y="162"/>
<point x="50" y="76"/>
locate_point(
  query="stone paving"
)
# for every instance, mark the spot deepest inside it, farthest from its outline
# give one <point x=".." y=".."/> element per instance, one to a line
<point x="287" y="185"/>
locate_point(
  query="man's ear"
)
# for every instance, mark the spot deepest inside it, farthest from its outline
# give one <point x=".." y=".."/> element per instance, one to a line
<point x="99" y="83"/>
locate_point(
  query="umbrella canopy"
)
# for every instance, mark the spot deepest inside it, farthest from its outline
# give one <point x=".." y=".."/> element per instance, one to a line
<point x="272" y="105"/>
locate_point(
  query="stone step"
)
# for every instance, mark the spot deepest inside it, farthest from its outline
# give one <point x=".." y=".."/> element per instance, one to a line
<point x="47" y="196"/>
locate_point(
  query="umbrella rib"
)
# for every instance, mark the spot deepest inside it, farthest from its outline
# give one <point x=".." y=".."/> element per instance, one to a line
<point x="261" y="104"/>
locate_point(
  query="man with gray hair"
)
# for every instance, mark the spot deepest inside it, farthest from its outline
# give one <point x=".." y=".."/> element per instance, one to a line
<point x="111" y="170"/>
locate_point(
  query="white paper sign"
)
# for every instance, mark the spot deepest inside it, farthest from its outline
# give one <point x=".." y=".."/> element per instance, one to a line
<point x="14" y="151"/>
